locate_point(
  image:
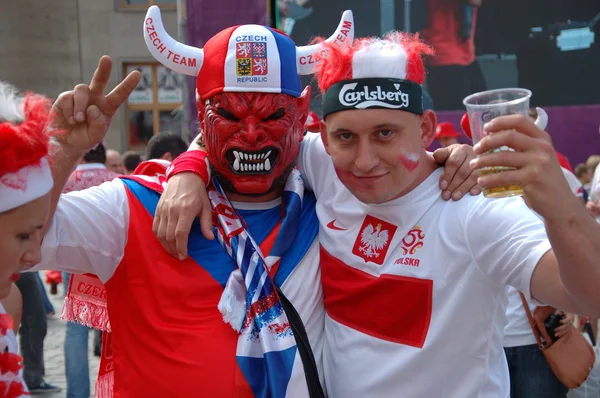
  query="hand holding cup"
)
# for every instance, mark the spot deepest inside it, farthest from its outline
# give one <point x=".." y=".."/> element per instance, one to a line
<point x="531" y="164"/>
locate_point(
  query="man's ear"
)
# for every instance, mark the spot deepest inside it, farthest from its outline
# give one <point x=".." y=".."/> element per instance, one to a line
<point x="303" y="108"/>
<point x="167" y="156"/>
<point x="323" y="129"/>
<point x="428" y="125"/>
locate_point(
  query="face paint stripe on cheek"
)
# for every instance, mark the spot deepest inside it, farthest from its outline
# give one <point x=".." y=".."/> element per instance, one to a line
<point x="410" y="160"/>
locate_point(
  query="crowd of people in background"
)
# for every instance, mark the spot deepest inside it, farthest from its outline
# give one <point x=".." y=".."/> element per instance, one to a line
<point x="165" y="146"/>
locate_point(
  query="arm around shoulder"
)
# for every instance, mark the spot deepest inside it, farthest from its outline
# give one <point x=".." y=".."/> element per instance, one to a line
<point x="314" y="163"/>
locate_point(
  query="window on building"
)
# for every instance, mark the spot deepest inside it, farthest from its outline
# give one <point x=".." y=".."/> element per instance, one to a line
<point x="155" y="104"/>
<point x="143" y="4"/>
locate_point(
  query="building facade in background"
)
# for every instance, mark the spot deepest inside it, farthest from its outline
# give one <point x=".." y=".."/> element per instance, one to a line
<point x="49" y="47"/>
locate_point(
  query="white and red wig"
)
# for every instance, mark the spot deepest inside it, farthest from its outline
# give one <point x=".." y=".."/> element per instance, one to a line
<point x="25" y="173"/>
<point x="373" y="73"/>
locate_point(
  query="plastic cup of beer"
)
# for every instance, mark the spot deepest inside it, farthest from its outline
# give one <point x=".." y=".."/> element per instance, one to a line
<point x="485" y="106"/>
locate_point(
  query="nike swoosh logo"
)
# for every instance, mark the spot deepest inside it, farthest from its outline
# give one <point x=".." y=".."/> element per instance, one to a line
<point x="331" y="225"/>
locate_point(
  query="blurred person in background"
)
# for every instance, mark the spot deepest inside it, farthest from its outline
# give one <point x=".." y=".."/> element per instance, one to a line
<point x="165" y="146"/>
<point x="131" y="160"/>
<point x="114" y="162"/>
<point x="591" y="162"/>
<point x="34" y="326"/>
<point x="593" y="203"/>
<point x="47" y="304"/>
<point x="583" y="173"/>
<point x="453" y="72"/>
<point x="585" y="177"/>
<point x="446" y="134"/>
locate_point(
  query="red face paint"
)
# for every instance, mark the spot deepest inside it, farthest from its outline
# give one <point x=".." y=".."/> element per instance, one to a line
<point x="410" y="160"/>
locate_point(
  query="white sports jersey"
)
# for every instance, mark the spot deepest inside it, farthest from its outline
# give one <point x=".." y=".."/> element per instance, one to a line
<point x="415" y="288"/>
<point x="595" y="188"/>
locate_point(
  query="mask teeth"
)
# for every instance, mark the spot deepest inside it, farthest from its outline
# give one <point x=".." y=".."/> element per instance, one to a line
<point x="245" y="162"/>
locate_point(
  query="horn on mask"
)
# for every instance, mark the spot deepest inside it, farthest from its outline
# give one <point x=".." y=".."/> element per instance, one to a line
<point x="542" y="119"/>
<point x="305" y="55"/>
<point x="176" y="56"/>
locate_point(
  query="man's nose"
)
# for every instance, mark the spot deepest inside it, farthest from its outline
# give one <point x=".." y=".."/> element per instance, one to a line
<point x="366" y="157"/>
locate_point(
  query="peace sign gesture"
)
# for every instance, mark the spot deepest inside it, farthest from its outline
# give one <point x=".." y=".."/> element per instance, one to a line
<point x="85" y="112"/>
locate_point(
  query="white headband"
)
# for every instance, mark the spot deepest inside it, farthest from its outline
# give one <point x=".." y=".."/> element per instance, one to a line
<point x="24" y="186"/>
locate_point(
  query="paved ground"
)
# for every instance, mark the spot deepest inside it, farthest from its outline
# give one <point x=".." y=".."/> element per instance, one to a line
<point x="53" y="347"/>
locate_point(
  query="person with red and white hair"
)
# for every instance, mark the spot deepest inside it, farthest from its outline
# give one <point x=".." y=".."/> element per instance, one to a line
<point x="25" y="185"/>
<point x="414" y="286"/>
<point x="420" y="266"/>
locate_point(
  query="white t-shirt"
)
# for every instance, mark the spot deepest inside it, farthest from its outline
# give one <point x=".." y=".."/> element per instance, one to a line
<point x="415" y="288"/>
<point x="595" y="188"/>
<point x="518" y="332"/>
<point x="88" y="234"/>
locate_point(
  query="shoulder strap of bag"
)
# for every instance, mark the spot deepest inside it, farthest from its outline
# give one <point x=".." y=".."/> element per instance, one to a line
<point x="532" y="322"/>
<point x="311" y="372"/>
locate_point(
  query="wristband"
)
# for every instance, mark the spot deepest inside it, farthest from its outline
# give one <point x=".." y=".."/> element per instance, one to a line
<point x="194" y="161"/>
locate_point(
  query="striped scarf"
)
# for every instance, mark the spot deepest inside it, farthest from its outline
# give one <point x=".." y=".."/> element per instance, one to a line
<point x="250" y="303"/>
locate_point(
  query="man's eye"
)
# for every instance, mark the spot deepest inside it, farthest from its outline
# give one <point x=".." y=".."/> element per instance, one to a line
<point x="275" y="115"/>
<point x="346" y="136"/>
<point x="227" y="115"/>
<point x="25" y="236"/>
<point x="385" y="133"/>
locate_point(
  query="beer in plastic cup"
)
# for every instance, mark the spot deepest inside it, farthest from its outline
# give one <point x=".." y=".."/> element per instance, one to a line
<point x="484" y="106"/>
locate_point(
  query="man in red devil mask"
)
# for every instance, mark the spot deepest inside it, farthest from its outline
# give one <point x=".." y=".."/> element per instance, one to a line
<point x="243" y="315"/>
<point x="168" y="335"/>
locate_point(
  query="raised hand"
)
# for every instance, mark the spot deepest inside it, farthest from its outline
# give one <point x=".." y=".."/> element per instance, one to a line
<point x="534" y="160"/>
<point x="85" y="112"/>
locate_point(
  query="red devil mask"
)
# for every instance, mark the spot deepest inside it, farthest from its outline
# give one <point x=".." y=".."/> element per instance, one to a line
<point x="251" y="139"/>
<point x="250" y="105"/>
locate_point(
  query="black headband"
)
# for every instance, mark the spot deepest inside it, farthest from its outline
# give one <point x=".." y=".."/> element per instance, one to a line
<point x="372" y="93"/>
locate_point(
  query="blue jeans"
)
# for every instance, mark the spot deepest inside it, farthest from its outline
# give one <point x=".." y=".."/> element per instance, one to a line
<point x="77" y="370"/>
<point x="530" y="374"/>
